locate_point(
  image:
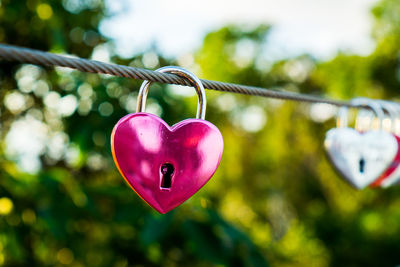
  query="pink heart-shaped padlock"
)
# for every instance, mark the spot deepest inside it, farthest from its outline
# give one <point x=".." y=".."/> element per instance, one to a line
<point x="165" y="165"/>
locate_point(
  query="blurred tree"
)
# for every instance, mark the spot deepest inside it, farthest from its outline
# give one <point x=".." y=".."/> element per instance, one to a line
<point x="275" y="196"/>
<point x="62" y="201"/>
<point x="282" y="191"/>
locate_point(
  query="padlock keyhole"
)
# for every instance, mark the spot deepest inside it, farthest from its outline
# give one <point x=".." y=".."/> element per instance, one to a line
<point x="361" y="165"/>
<point x="167" y="170"/>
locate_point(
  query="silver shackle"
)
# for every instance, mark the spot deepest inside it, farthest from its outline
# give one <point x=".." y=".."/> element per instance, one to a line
<point x="342" y="119"/>
<point x="197" y="84"/>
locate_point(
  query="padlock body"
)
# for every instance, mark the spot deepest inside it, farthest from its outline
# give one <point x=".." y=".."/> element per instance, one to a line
<point x="165" y="165"/>
<point x="360" y="157"/>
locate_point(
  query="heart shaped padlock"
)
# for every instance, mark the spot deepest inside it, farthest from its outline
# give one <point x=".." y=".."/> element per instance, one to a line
<point x="360" y="157"/>
<point x="392" y="174"/>
<point x="166" y="165"/>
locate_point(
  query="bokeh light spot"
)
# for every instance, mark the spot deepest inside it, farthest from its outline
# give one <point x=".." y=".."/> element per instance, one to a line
<point x="28" y="216"/>
<point x="25" y="141"/>
<point x="65" y="256"/>
<point x="105" y="109"/>
<point x="44" y="11"/>
<point x="322" y="112"/>
<point x="15" y="102"/>
<point x="226" y="102"/>
<point x="96" y="162"/>
<point x="371" y="222"/>
<point x="251" y="119"/>
<point x="150" y="60"/>
<point x="99" y="138"/>
<point x="6" y="206"/>
<point x="114" y="90"/>
<point x="67" y="105"/>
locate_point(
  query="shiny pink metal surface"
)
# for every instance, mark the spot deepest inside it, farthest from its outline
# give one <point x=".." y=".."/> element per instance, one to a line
<point x="165" y="165"/>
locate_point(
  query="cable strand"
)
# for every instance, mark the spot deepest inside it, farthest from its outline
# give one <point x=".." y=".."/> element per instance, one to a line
<point x="27" y="55"/>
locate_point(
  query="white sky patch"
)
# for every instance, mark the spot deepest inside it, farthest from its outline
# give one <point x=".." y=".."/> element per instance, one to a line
<point x="181" y="90"/>
<point x="319" y="27"/>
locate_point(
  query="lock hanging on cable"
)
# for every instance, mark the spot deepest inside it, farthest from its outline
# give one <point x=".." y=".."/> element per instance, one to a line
<point x="166" y="165"/>
<point x="360" y="157"/>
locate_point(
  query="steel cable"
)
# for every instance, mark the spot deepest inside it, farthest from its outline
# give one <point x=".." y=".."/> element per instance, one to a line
<point x="27" y="55"/>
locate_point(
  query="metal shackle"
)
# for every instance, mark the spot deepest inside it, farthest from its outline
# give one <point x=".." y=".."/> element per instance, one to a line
<point x="373" y="105"/>
<point x="197" y="84"/>
<point x="392" y="111"/>
<point x="342" y="120"/>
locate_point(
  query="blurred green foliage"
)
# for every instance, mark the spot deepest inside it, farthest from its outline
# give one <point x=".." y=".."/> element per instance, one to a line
<point x="274" y="197"/>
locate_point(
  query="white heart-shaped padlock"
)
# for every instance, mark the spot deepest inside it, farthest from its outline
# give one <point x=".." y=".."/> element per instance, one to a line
<point x="360" y="157"/>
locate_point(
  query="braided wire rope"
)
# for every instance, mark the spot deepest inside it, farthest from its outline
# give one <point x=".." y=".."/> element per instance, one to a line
<point x="27" y="55"/>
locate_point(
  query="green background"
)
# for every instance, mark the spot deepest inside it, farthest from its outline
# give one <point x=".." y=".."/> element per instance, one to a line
<point x="275" y="200"/>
